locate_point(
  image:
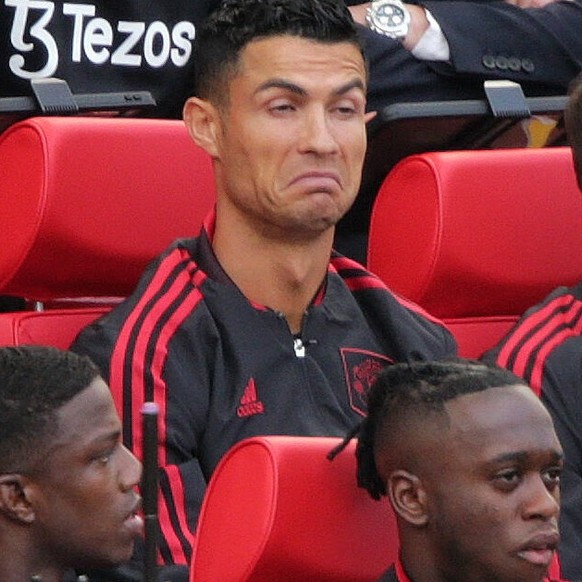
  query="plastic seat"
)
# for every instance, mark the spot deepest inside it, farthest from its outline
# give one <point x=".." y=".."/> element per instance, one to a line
<point x="477" y="237"/>
<point x="277" y="509"/>
<point x="86" y="204"/>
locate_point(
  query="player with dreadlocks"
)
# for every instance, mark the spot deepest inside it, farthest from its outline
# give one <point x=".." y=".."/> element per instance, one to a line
<point x="468" y="456"/>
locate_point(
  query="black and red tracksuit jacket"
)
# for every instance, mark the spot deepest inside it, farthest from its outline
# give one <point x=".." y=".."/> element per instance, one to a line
<point x="222" y="368"/>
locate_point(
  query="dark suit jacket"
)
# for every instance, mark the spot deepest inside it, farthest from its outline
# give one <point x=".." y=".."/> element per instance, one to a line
<point x="539" y="48"/>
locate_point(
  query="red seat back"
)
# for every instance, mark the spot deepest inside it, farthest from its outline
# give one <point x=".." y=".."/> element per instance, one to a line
<point x="55" y="327"/>
<point x="86" y="204"/>
<point x="476" y="237"/>
<point x="277" y="510"/>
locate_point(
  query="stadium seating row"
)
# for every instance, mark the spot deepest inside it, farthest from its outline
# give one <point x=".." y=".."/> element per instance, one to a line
<point x="473" y="237"/>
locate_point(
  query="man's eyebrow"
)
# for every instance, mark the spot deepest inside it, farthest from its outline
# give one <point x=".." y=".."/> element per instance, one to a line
<point x="521" y="456"/>
<point x="355" y="84"/>
<point x="296" y="89"/>
<point x="280" y="84"/>
<point x="110" y="436"/>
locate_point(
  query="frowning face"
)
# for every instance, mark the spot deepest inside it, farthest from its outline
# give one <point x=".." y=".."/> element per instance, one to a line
<point x="290" y="143"/>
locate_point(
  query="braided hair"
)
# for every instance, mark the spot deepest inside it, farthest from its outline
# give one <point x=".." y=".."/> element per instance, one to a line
<point x="419" y="390"/>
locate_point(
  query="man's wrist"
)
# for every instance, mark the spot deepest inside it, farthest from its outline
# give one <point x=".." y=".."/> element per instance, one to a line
<point x="432" y="45"/>
<point x="419" y="24"/>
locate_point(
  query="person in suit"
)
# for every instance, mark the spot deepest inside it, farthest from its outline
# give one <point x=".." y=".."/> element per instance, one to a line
<point x="448" y="48"/>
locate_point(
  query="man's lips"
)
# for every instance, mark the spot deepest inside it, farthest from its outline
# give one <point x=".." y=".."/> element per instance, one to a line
<point x="133" y="521"/>
<point x="540" y="549"/>
<point x="318" y="180"/>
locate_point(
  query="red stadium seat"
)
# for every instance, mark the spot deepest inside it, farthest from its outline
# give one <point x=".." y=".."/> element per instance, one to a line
<point x="86" y="204"/>
<point x="476" y="237"/>
<point x="55" y="327"/>
<point x="277" y="510"/>
<point x="473" y="237"/>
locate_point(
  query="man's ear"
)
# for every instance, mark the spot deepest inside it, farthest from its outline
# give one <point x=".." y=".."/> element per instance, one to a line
<point x="408" y="497"/>
<point x="203" y="122"/>
<point x="14" y="498"/>
<point x="369" y="116"/>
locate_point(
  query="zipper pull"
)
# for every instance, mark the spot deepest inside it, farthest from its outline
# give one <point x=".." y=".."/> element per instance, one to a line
<point x="299" y="347"/>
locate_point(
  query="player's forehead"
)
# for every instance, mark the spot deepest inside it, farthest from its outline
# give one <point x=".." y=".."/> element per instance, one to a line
<point x="501" y="421"/>
<point x="89" y="416"/>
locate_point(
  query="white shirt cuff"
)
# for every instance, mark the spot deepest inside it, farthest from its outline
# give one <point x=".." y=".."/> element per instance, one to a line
<point x="433" y="45"/>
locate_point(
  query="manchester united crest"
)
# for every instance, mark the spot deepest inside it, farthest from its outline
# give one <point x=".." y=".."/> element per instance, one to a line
<point x="361" y="368"/>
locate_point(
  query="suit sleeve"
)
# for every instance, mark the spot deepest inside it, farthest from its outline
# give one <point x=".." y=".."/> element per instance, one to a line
<point x="499" y="40"/>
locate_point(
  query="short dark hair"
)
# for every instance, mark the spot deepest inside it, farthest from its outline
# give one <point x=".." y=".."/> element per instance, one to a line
<point x="236" y="23"/>
<point x="35" y="381"/>
<point x="573" y="120"/>
<point x="405" y="391"/>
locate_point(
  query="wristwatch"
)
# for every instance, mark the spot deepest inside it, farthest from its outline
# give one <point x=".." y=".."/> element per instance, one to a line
<point x="389" y="17"/>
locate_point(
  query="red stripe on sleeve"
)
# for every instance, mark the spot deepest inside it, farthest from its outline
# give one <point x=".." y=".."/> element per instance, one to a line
<point x="169" y="533"/>
<point x="537" y="372"/>
<point x="138" y="359"/>
<point x="119" y="354"/>
<point x="364" y="280"/>
<point x="159" y="361"/>
<point x="178" y="497"/>
<point x="526" y="327"/>
<point x="160" y="352"/>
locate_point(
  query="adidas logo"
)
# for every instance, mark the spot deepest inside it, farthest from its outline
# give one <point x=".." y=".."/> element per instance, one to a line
<point x="249" y="403"/>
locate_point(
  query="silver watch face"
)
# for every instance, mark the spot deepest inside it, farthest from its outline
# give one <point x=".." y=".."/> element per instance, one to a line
<point x="389" y="17"/>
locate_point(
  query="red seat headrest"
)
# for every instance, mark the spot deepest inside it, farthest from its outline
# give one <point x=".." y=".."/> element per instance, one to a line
<point x="277" y="509"/>
<point x="478" y="233"/>
<point x="88" y="202"/>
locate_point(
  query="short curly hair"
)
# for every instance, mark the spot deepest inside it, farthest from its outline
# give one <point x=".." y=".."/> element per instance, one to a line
<point x="35" y="382"/>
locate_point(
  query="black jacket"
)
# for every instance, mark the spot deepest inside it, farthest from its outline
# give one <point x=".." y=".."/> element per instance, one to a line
<point x="126" y="45"/>
<point x="224" y="369"/>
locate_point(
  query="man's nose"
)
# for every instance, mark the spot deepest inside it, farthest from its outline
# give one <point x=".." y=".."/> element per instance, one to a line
<point x="130" y="470"/>
<point x="318" y="135"/>
<point x="541" y="501"/>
